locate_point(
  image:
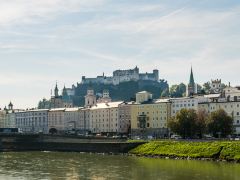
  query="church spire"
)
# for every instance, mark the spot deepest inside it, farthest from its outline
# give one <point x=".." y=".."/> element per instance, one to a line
<point x="191" y="89"/>
<point x="191" y="80"/>
<point x="56" y="90"/>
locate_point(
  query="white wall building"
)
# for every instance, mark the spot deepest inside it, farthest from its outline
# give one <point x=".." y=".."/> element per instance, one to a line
<point x="74" y="119"/>
<point x="179" y="103"/>
<point x="105" y="97"/>
<point x="232" y="93"/>
<point x="56" y="122"/>
<point x="90" y="98"/>
<point x="32" y="121"/>
<point x="143" y="96"/>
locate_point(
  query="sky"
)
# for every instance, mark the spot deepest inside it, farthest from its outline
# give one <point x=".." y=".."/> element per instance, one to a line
<point x="45" y="41"/>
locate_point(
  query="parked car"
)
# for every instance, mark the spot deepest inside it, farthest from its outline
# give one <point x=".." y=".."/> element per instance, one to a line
<point x="71" y="132"/>
<point x="116" y="137"/>
<point x="175" y="136"/>
<point x="150" y="137"/>
<point x="207" y="136"/>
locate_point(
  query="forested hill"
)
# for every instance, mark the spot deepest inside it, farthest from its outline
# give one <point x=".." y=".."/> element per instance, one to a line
<point x="124" y="91"/>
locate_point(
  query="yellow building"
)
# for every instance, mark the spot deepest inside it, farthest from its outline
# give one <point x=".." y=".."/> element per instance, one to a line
<point x="150" y="118"/>
<point x="104" y="118"/>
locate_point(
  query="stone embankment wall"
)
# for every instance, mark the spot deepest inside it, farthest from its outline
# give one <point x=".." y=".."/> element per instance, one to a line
<point x="64" y="143"/>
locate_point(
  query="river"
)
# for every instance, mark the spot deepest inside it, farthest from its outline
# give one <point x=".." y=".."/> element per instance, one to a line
<point x="60" y="165"/>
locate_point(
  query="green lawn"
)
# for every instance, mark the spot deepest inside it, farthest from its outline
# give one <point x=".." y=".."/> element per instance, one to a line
<point x="216" y="149"/>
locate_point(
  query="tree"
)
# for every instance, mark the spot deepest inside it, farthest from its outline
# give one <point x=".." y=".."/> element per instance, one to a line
<point x="206" y="87"/>
<point x="200" y="89"/>
<point x="201" y="122"/>
<point x="178" y="90"/>
<point x="220" y="123"/>
<point x="184" y="123"/>
<point x="165" y="93"/>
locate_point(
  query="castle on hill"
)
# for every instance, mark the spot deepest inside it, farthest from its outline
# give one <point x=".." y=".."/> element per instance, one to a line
<point x="120" y="76"/>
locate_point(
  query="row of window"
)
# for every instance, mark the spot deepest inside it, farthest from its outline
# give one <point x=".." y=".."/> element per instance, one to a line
<point x="183" y="105"/>
<point x="102" y="125"/>
<point x="22" y="122"/>
<point x="30" y="114"/>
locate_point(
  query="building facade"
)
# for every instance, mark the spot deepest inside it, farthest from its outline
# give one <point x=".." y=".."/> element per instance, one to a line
<point x="150" y="119"/>
<point x="124" y="116"/>
<point x="180" y="103"/>
<point x="32" y="121"/>
<point x="74" y="119"/>
<point x="90" y="98"/>
<point x="56" y="123"/>
<point x="61" y="101"/>
<point x="105" y="97"/>
<point x="232" y="108"/>
<point x="104" y="118"/>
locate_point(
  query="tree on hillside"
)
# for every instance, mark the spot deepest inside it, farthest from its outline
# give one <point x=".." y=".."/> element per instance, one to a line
<point x="177" y="90"/>
<point x="184" y="123"/>
<point x="220" y="123"/>
<point x="165" y="93"/>
<point x="206" y="87"/>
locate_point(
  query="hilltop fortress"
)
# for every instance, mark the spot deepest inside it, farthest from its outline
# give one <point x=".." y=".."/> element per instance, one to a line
<point x="120" y="76"/>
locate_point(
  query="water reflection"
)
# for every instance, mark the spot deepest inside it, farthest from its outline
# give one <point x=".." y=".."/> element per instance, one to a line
<point x="56" y="165"/>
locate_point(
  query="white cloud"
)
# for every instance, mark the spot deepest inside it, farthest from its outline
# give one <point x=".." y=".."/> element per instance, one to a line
<point x="28" y="11"/>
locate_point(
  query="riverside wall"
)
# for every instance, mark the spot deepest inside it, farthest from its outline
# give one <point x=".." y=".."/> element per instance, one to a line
<point x="18" y="142"/>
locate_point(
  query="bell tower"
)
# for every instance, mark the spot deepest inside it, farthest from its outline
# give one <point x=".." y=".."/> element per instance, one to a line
<point x="90" y="98"/>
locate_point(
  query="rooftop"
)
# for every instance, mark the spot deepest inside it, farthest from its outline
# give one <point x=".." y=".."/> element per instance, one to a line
<point x="106" y="105"/>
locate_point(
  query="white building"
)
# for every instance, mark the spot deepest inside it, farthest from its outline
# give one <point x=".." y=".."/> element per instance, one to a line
<point x="179" y="103"/>
<point x="3" y="115"/>
<point x="124" y="116"/>
<point x="232" y="108"/>
<point x="232" y="93"/>
<point x="74" y="118"/>
<point x="105" y="97"/>
<point x="143" y="96"/>
<point x="90" y="98"/>
<point x="32" y="121"/>
<point x="56" y="122"/>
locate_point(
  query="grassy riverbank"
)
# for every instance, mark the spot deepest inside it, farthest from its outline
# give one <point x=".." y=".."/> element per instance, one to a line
<point x="222" y="150"/>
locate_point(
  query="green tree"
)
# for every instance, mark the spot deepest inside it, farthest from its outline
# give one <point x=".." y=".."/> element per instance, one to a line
<point x="184" y="123"/>
<point x="206" y="87"/>
<point x="201" y="122"/>
<point x="177" y="90"/>
<point x="220" y="123"/>
<point x="165" y="93"/>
